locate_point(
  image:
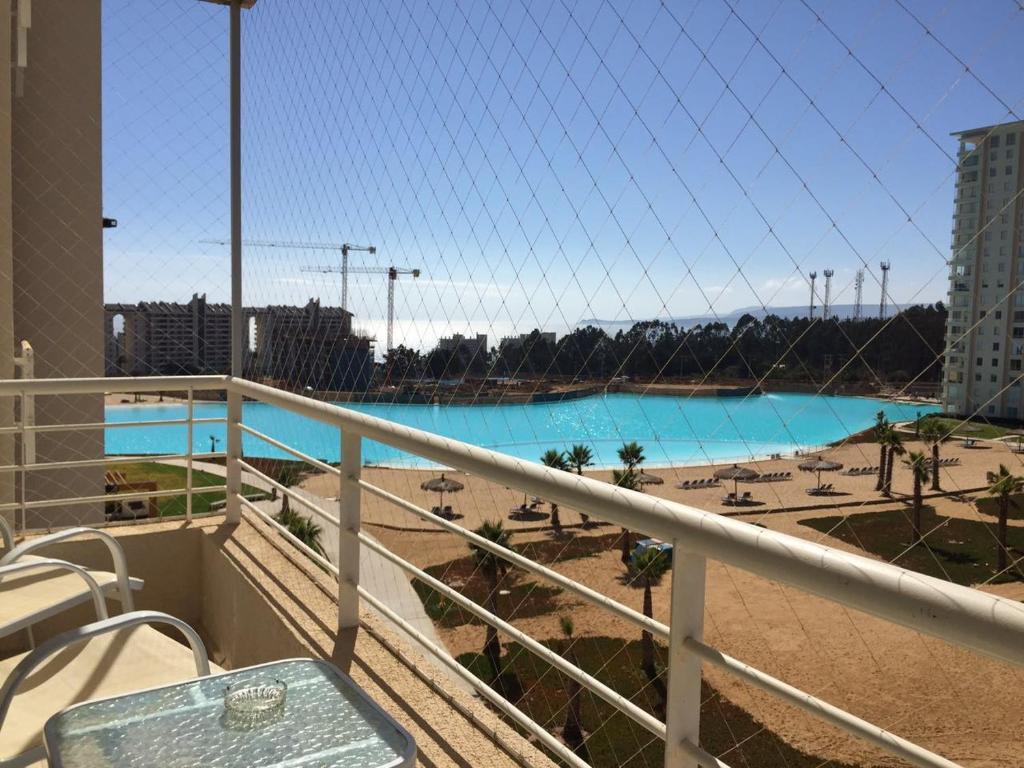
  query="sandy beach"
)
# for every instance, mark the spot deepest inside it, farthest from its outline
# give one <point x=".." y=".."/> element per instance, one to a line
<point x="949" y="700"/>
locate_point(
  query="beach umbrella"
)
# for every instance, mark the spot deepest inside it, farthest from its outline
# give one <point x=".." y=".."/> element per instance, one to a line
<point x="441" y="485"/>
<point x="645" y="478"/>
<point x="820" y="465"/>
<point x="736" y="473"/>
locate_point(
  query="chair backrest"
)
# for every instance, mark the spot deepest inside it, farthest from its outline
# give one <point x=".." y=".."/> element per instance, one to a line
<point x="6" y="534"/>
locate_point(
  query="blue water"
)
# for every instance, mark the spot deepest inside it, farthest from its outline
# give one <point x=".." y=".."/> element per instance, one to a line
<point x="673" y="430"/>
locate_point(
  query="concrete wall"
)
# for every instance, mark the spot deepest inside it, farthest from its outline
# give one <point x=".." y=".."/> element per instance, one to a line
<point x="188" y="573"/>
<point x="6" y="258"/>
<point x="55" y="150"/>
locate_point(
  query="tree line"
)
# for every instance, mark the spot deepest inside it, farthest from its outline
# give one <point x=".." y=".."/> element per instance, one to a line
<point x="907" y="347"/>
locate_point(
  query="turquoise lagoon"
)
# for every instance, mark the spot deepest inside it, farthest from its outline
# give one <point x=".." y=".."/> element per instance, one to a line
<point x="673" y="430"/>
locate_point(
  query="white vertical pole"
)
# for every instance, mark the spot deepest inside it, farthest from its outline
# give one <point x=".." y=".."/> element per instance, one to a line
<point x="682" y="721"/>
<point x="349" y="500"/>
<point x="234" y="454"/>
<point x="234" y="451"/>
<point x="188" y="464"/>
<point x="237" y="320"/>
<point x="23" y="460"/>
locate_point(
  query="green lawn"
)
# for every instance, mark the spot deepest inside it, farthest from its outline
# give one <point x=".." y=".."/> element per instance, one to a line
<point x="615" y="740"/>
<point x="976" y="428"/>
<point x="962" y="551"/>
<point x="168" y="477"/>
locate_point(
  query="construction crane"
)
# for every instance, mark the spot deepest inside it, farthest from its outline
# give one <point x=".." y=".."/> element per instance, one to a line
<point x="344" y="248"/>
<point x="391" y="272"/>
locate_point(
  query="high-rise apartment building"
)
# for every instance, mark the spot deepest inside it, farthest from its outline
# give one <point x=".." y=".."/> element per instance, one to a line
<point x="985" y="332"/>
<point x="160" y="337"/>
<point x="311" y="346"/>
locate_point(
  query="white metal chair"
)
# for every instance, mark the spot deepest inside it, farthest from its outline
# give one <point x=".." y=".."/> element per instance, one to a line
<point x="105" y="658"/>
<point x="29" y="595"/>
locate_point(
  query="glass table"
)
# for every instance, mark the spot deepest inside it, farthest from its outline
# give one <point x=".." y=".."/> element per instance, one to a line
<point x="327" y="721"/>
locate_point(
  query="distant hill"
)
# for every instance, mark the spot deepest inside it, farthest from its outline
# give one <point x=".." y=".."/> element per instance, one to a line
<point x="731" y="316"/>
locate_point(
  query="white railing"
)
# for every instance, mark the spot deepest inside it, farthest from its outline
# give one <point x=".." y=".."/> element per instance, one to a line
<point x="24" y="460"/>
<point x="972" y="619"/>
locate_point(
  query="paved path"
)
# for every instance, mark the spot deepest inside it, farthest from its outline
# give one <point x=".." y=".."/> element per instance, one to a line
<point x="380" y="577"/>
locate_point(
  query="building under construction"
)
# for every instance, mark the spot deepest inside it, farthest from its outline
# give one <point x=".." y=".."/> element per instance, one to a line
<point x="311" y="347"/>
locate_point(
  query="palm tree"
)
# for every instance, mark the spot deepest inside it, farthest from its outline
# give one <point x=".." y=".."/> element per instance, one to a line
<point x="1004" y="484"/>
<point x="302" y="528"/>
<point x="917" y="463"/>
<point x="894" y="447"/>
<point x="493" y="568"/>
<point x="647" y="569"/>
<point x="881" y="427"/>
<point x="632" y="454"/>
<point x="556" y="460"/>
<point x="933" y="433"/>
<point x="578" y="458"/>
<point x="625" y="478"/>
<point x="572" y="731"/>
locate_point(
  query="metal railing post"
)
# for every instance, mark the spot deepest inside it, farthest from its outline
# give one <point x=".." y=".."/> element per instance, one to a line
<point x="26" y="365"/>
<point x="682" y="720"/>
<point x="22" y="456"/>
<point x="349" y="500"/>
<point x="188" y="461"/>
<point x="234" y="454"/>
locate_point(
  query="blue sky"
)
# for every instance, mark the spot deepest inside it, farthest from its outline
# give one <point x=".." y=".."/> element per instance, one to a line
<point x="545" y="162"/>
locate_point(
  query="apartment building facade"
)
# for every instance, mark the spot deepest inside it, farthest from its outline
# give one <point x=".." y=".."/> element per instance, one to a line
<point x="476" y="345"/>
<point x="158" y="337"/>
<point x="311" y="347"/>
<point x="985" y="334"/>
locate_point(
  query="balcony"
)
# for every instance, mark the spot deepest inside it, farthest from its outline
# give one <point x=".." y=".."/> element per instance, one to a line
<point x="257" y="593"/>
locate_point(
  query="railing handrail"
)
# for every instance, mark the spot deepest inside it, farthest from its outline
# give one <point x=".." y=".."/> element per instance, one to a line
<point x="99" y="384"/>
<point x="967" y="617"/>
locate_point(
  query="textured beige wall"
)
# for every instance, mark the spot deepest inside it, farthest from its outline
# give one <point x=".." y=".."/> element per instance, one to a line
<point x="58" y="246"/>
<point x="6" y="258"/>
<point x="233" y="606"/>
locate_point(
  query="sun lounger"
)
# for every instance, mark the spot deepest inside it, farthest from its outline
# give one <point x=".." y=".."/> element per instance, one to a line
<point x="109" y="657"/>
<point x="729" y="498"/>
<point x="436" y="511"/>
<point x="747" y="496"/>
<point x="28" y="596"/>
<point x="448" y="513"/>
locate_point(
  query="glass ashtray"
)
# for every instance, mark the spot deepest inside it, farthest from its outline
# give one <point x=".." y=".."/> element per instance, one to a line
<point x="253" y="703"/>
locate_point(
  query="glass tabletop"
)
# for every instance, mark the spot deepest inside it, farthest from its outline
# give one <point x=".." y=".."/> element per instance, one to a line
<point x="327" y="722"/>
